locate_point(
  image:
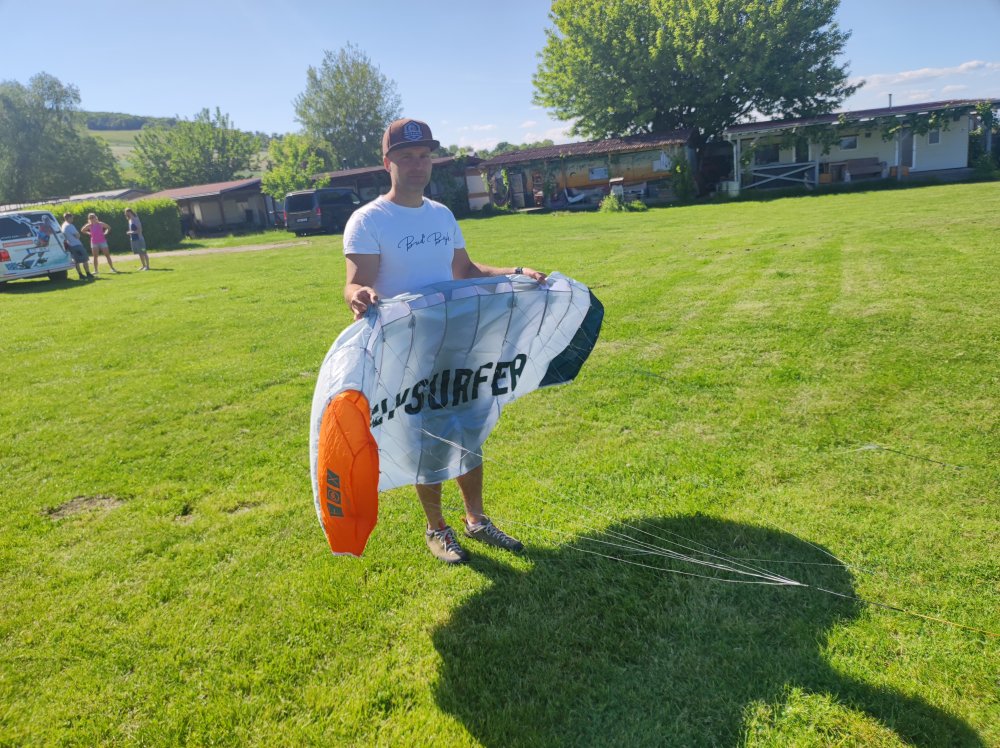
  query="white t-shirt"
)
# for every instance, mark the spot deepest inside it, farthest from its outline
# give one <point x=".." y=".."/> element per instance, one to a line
<point x="72" y="234"/>
<point x="415" y="245"/>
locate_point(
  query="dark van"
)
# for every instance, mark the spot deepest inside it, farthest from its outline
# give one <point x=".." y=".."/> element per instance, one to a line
<point x="325" y="210"/>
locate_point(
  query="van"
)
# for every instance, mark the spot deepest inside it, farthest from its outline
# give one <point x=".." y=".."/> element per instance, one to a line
<point x="32" y="244"/>
<point x="325" y="209"/>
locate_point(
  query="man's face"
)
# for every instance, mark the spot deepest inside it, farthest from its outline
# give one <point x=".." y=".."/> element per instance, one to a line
<point x="410" y="167"/>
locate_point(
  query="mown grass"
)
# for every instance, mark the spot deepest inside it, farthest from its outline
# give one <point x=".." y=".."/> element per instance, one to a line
<point x="163" y="578"/>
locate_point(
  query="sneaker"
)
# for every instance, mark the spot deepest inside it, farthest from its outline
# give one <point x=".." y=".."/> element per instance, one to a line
<point x="487" y="532"/>
<point x="444" y="545"/>
<point x="114" y="271"/>
<point x="90" y="276"/>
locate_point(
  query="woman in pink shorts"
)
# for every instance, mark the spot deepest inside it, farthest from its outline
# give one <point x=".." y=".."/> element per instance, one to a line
<point x="98" y="232"/>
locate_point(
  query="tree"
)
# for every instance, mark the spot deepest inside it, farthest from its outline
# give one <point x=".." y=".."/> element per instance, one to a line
<point x="347" y="105"/>
<point x="625" y="67"/>
<point x="203" y="150"/>
<point x="43" y="152"/>
<point x="294" y="159"/>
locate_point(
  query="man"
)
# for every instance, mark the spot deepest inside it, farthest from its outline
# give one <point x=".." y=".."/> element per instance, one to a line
<point x="75" y="246"/>
<point x="400" y="242"/>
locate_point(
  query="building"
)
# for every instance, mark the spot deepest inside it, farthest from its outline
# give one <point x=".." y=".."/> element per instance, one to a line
<point x="222" y="206"/>
<point x="577" y="174"/>
<point x="929" y="139"/>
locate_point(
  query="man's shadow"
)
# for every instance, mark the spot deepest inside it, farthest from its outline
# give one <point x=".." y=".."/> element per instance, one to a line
<point x="583" y="650"/>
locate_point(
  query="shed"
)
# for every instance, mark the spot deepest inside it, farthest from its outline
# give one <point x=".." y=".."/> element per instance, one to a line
<point x="574" y="174"/>
<point x="929" y="139"/>
<point x="221" y="206"/>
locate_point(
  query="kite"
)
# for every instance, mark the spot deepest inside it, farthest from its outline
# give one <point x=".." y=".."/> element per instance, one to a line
<point x="409" y="393"/>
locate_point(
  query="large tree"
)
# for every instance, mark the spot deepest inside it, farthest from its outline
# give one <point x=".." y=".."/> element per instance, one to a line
<point x="202" y="150"/>
<point x="294" y="159"/>
<point x="347" y="105"/>
<point x="43" y="152"/>
<point x="623" y="67"/>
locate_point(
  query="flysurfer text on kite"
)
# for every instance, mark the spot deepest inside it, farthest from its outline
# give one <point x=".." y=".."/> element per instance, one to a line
<point x="437" y="393"/>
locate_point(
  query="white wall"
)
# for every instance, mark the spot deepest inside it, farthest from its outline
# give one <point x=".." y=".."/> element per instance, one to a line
<point x="952" y="152"/>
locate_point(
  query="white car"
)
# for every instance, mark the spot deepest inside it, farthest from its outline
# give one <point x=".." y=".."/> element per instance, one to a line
<point x="32" y="244"/>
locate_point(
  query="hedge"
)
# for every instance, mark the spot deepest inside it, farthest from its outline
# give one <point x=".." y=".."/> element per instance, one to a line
<point x="161" y="220"/>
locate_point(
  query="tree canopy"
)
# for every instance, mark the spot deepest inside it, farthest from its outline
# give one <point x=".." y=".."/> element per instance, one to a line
<point x="203" y="150"/>
<point x="347" y="105"/>
<point x="294" y="159"/>
<point x="43" y="152"/>
<point x="625" y="67"/>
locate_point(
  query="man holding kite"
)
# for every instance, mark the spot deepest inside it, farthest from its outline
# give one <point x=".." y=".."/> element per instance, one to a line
<point x="398" y="243"/>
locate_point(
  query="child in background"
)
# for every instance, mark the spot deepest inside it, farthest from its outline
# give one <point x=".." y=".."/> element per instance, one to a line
<point x="138" y="240"/>
<point x="98" y="232"/>
<point x="75" y="246"/>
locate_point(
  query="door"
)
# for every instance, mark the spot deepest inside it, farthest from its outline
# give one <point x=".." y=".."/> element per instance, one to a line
<point x="906" y="148"/>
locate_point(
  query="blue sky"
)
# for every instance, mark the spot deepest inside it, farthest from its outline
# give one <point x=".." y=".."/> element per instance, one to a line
<point x="466" y="68"/>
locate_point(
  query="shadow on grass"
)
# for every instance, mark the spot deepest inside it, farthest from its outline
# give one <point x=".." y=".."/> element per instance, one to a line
<point x="41" y="285"/>
<point x="584" y="650"/>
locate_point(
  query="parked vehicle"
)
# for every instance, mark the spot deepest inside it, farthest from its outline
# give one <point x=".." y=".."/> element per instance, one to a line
<point x="32" y="244"/>
<point x="321" y="210"/>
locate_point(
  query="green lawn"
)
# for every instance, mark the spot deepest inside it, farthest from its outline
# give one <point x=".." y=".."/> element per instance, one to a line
<point x="778" y="381"/>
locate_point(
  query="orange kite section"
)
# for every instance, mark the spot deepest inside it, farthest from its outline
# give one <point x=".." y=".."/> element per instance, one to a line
<point x="348" y="473"/>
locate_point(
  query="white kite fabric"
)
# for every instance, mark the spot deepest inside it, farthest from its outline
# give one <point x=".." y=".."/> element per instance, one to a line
<point x="438" y="366"/>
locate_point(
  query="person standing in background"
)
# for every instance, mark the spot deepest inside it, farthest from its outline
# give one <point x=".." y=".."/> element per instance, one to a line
<point x="98" y="232"/>
<point x="138" y="240"/>
<point x="74" y="245"/>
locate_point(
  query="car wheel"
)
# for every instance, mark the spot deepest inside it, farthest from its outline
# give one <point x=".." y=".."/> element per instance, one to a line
<point x="59" y="275"/>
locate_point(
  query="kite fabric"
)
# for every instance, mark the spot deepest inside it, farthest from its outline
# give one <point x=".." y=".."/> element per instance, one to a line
<point x="409" y="393"/>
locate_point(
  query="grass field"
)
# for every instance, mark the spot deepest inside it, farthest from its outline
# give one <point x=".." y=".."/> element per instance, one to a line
<point x="779" y="381"/>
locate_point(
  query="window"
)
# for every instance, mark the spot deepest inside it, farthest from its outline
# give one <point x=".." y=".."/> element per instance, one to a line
<point x="849" y="143"/>
<point x="934" y="137"/>
<point x="766" y="154"/>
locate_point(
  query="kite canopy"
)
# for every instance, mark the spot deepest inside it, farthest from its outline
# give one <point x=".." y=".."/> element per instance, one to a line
<point x="409" y="393"/>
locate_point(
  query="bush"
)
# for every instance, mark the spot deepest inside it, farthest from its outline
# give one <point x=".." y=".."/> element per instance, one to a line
<point x="611" y="204"/>
<point x="685" y="189"/>
<point x="161" y="220"/>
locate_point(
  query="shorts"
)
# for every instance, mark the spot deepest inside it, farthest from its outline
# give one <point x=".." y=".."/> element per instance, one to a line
<point x="138" y="244"/>
<point x="78" y="252"/>
<point x="99" y="245"/>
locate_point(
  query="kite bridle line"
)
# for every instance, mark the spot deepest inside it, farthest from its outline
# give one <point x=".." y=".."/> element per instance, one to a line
<point x="762" y="576"/>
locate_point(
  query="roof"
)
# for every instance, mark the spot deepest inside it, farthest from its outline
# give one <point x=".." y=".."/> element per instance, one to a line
<point x="858" y="115"/>
<point x="205" y="190"/>
<point x="594" y="147"/>
<point x="360" y="171"/>
<point x="108" y="194"/>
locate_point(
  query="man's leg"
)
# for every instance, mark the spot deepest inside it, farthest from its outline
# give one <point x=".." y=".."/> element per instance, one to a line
<point x="440" y="538"/>
<point x="430" y="499"/>
<point x="477" y="525"/>
<point x="471" y="486"/>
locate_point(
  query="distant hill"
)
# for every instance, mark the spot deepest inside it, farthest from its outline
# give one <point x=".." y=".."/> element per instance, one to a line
<point x="119" y="130"/>
<point x="120" y="121"/>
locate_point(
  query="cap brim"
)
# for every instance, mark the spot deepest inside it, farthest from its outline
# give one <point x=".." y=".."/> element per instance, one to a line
<point x="432" y="144"/>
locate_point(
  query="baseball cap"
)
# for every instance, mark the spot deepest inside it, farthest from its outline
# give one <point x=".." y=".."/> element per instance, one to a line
<point x="407" y="132"/>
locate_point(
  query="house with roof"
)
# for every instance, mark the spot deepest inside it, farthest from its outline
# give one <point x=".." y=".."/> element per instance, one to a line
<point x="222" y="206"/>
<point x="929" y="139"/>
<point x="577" y="174"/>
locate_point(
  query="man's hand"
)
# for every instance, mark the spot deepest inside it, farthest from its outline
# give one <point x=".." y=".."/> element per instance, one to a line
<point x="534" y="274"/>
<point x="361" y="299"/>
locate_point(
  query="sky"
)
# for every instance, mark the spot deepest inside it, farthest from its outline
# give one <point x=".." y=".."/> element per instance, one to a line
<point x="465" y="68"/>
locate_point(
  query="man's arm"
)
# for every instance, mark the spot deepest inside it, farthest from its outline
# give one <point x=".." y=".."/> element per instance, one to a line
<point x="463" y="267"/>
<point x="358" y="292"/>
